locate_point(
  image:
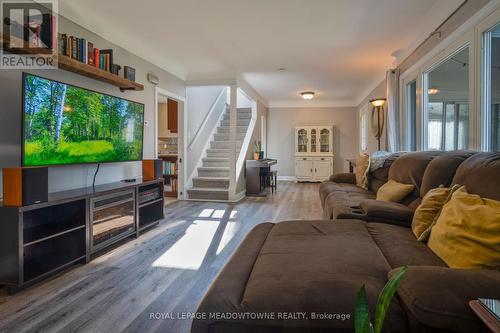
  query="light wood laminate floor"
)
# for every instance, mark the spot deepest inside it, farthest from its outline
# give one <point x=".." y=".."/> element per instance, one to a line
<point x="165" y="271"/>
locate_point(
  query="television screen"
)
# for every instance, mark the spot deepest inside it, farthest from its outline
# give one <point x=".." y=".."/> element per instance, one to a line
<point x="64" y="124"/>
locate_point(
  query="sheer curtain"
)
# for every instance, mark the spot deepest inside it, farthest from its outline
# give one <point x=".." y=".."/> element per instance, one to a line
<point x="392" y="91"/>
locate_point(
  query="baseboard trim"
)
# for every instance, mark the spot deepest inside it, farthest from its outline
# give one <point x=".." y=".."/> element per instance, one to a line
<point x="287" y="178"/>
<point x="239" y="196"/>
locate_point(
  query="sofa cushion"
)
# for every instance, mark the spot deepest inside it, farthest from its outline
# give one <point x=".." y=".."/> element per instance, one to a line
<point x="409" y="169"/>
<point x="386" y="211"/>
<point x="343" y="177"/>
<point x="400" y="247"/>
<point x="341" y="204"/>
<point x="441" y="169"/>
<point x="480" y="174"/>
<point x="379" y="176"/>
<point x="437" y="297"/>
<point x="319" y="266"/>
<point x="467" y="232"/>
<point x="327" y="188"/>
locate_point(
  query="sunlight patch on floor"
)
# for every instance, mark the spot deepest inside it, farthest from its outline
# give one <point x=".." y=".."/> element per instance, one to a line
<point x="190" y="250"/>
<point x="206" y="213"/>
<point x="229" y="232"/>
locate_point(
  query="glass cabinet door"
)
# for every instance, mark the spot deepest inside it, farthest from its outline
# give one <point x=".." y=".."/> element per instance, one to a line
<point x="314" y="140"/>
<point x="324" y="140"/>
<point x="302" y="140"/>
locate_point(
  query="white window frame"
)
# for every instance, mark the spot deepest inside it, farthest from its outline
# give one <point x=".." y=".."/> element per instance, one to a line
<point x="467" y="40"/>
<point x="483" y="101"/>
<point x="470" y="32"/>
<point x="405" y="123"/>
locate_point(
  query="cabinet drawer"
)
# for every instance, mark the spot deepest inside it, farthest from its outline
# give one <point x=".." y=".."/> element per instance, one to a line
<point x="324" y="159"/>
<point x="304" y="158"/>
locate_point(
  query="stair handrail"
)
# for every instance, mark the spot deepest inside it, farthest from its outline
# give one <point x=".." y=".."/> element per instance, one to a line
<point x="205" y="119"/>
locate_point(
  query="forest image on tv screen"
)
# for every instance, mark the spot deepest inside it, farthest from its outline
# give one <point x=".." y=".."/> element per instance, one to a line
<point x="64" y="124"/>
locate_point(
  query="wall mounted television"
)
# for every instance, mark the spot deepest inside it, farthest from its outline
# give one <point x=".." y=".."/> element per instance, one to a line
<point x="65" y="124"/>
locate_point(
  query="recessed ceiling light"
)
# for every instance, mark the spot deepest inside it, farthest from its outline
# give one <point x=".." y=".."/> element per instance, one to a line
<point x="307" y="95"/>
<point x="433" y="91"/>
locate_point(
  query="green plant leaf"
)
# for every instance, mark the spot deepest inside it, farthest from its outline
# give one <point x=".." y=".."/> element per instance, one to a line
<point x="361" y="314"/>
<point x="385" y="297"/>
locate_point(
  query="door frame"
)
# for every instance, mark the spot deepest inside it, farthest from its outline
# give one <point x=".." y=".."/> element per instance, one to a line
<point x="181" y="133"/>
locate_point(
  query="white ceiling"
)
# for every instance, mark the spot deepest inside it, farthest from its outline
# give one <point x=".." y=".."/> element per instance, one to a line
<point x="338" y="48"/>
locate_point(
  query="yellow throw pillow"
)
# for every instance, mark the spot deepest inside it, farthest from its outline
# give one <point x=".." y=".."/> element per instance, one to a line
<point x="427" y="212"/>
<point x="467" y="232"/>
<point x="394" y="191"/>
<point x="362" y="167"/>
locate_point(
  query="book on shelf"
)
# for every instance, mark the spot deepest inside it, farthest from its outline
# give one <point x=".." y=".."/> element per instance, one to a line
<point x="108" y="59"/>
<point x="97" y="55"/>
<point x="90" y="54"/>
<point x="170" y="186"/>
<point x="74" y="49"/>
<point x="169" y="168"/>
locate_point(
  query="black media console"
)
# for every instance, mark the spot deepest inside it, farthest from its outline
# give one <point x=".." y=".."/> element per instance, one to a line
<point x="73" y="226"/>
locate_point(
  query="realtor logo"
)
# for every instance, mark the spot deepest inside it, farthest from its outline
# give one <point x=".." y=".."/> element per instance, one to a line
<point x="28" y="34"/>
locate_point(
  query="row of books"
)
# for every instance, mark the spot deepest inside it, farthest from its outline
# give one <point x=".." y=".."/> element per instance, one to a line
<point x="84" y="51"/>
<point x="171" y="186"/>
<point x="169" y="168"/>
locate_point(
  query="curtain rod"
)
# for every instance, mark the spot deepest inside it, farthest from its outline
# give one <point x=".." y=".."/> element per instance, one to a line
<point x="434" y="32"/>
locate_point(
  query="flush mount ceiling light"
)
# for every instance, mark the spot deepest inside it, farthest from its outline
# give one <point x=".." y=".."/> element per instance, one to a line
<point x="307" y="95"/>
<point x="433" y="91"/>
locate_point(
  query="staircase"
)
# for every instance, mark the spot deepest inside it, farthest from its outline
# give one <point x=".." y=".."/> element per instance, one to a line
<point x="212" y="182"/>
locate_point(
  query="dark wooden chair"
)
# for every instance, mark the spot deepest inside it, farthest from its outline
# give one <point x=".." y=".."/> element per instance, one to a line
<point x="269" y="178"/>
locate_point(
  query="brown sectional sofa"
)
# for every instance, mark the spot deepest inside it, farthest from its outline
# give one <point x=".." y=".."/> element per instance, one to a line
<point x="342" y="199"/>
<point x="317" y="267"/>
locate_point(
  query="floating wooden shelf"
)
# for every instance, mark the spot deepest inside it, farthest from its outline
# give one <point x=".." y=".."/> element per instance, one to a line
<point x="95" y="73"/>
<point x="75" y="66"/>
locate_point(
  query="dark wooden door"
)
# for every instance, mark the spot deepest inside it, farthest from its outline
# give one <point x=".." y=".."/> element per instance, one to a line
<point x="172" y="107"/>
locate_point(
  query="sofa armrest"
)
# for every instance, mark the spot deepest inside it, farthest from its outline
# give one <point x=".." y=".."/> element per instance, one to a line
<point x="347" y="178"/>
<point x="386" y="211"/>
<point x="438" y="297"/>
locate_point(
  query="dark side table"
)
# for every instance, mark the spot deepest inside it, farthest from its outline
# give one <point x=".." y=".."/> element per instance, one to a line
<point x="486" y="317"/>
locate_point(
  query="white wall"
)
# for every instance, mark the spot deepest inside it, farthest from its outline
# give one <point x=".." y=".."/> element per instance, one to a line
<point x="280" y="134"/>
<point x="67" y="177"/>
<point x="371" y="142"/>
<point x="199" y="103"/>
<point x="242" y="100"/>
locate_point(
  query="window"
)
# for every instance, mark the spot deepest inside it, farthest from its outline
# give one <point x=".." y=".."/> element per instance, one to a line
<point x="411" y="111"/>
<point x="362" y="130"/>
<point x="447" y="103"/>
<point x="492" y="88"/>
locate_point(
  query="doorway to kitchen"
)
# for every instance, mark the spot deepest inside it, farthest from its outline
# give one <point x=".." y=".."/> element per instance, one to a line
<point x="169" y="130"/>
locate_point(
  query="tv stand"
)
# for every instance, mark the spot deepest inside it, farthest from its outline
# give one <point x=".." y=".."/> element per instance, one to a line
<point x="73" y="227"/>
